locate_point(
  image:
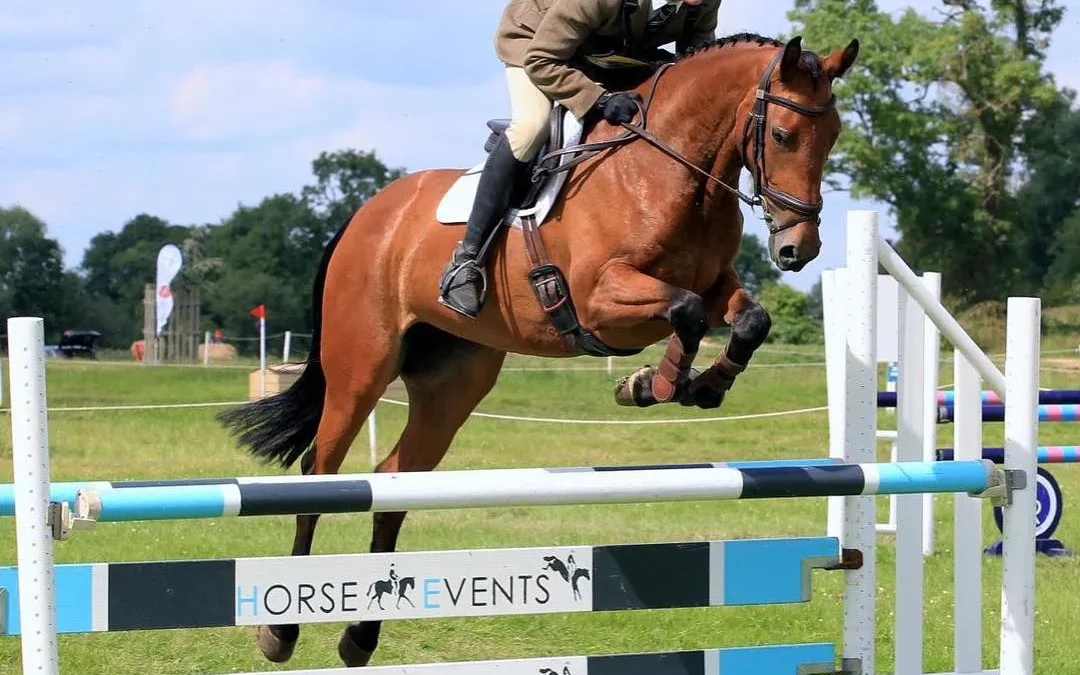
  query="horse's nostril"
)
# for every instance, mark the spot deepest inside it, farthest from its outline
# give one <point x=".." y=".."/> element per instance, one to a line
<point x="787" y="253"/>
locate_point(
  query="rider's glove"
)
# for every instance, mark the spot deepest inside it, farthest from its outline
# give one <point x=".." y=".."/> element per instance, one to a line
<point x="618" y="108"/>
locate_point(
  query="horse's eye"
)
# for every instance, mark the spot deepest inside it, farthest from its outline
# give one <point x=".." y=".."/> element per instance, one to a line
<point x="781" y="137"/>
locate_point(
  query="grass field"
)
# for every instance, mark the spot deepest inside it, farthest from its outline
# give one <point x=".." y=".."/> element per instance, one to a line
<point x="188" y="443"/>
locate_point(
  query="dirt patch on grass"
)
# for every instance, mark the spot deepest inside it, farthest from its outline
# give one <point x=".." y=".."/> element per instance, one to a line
<point x="1064" y="364"/>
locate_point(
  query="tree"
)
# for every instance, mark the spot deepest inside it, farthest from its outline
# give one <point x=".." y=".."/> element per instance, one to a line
<point x="753" y="264"/>
<point x="1049" y="199"/>
<point x="936" y="115"/>
<point x="32" y="277"/>
<point x="344" y="180"/>
<point x="816" y="301"/>
<point x="792" y="321"/>
<point x="118" y="265"/>
<point x="261" y="255"/>
<point x="1064" y="274"/>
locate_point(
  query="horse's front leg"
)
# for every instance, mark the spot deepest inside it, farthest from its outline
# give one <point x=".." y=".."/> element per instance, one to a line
<point x="729" y="303"/>
<point x="624" y="298"/>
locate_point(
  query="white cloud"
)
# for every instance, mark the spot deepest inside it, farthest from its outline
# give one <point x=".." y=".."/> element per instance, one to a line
<point x="186" y="109"/>
<point x="227" y="100"/>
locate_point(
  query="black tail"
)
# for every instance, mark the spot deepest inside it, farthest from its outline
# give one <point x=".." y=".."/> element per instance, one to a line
<point x="280" y="428"/>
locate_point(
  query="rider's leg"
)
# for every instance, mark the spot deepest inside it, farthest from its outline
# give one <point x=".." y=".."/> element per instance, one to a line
<point x="463" y="286"/>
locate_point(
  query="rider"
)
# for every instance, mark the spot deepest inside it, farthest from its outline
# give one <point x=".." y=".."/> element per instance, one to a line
<point x="542" y="44"/>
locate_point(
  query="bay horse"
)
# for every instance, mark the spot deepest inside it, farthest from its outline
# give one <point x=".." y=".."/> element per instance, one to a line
<point x="646" y="229"/>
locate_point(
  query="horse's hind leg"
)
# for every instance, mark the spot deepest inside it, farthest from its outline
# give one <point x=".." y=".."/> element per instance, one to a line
<point x="446" y="378"/>
<point x="353" y="387"/>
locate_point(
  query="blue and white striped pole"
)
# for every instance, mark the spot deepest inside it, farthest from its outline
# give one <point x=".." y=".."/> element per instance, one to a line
<point x="526" y="487"/>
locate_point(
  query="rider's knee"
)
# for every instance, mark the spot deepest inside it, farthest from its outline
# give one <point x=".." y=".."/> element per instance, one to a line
<point x="526" y="133"/>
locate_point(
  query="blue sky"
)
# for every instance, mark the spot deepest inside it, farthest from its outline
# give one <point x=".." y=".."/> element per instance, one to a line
<point x="187" y="109"/>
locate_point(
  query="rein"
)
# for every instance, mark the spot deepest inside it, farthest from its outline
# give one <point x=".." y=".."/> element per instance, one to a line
<point x="808" y="211"/>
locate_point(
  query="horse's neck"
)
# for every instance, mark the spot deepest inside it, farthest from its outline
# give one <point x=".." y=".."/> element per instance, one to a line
<point x="698" y="110"/>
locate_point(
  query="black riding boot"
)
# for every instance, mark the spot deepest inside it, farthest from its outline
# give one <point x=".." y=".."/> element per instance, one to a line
<point x="463" y="285"/>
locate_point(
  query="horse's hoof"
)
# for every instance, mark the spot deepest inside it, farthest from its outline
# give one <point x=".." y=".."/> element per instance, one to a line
<point x="636" y="389"/>
<point x="352" y="654"/>
<point x="702" y="394"/>
<point x="274" y="648"/>
<point x="708" y="399"/>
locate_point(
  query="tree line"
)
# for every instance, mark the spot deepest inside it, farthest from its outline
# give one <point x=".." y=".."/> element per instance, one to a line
<point x="267" y="253"/>
<point x="952" y="120"/>
<point x="262" y="254"/>
<point x="949" y="118"/>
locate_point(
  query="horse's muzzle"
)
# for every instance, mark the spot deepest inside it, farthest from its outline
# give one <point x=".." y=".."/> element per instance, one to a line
<point x="793" y="249"/>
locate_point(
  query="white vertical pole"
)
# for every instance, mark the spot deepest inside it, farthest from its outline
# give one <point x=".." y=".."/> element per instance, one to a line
<point x="373" y="445"/>
<point x="206" y="349"/>
<point x="610" y="364"/>
<point x="832" y="304"/>
<point x="910" y="403"/>
<point x="262" y="357"/>
<point x="288" y="346"/>
<point x="1018" y="528"/>
<point x="30" y="458"/>
<point x="860" y="438"/>
<point x="967" y="519"/>
<point x="931" y="353"/>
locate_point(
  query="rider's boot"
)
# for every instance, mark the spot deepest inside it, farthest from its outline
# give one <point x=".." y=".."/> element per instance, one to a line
<point x="463" y="285"/>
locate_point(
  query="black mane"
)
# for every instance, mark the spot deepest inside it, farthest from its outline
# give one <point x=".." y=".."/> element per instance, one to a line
<point x="737" y="38"/>
<point x="810" y="61"/>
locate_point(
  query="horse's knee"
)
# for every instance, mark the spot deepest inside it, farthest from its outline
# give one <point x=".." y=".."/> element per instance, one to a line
<point x="688" y="317"/>
<point x="752" y="325"/>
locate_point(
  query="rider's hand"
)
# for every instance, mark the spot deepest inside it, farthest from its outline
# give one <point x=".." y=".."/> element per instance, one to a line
<point x="618" y="108"/>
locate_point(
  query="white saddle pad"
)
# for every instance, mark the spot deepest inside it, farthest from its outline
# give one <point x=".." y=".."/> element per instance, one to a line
<point x="456" y="204"/>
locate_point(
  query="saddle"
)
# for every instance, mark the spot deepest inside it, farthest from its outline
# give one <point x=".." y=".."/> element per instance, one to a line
<point x="529" y="198"/>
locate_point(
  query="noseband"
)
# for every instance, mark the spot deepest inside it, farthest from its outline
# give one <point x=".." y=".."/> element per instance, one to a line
<point x="753" y="129"/>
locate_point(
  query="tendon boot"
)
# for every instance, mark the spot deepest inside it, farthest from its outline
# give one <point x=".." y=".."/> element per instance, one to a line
<point x="463" y="285"/>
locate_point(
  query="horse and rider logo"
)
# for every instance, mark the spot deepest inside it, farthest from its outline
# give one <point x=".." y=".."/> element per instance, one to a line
<point x="569" y="571"/>
<point x="549" y="671"/>
<point x="394" y="586"/>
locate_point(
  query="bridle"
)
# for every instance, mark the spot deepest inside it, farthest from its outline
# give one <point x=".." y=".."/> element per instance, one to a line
<point x="755" y="123"/>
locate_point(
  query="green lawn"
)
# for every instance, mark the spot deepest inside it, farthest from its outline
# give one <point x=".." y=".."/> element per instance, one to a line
<point x="188" y="443"/>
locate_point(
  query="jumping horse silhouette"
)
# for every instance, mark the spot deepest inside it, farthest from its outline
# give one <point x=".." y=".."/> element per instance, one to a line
<point x="645" y="230"/>
<point x="563" y="571"/>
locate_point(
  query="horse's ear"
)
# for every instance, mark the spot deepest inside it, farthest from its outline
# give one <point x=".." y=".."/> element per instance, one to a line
<point x="837" y="63"/>
<point x="789" y="63"/>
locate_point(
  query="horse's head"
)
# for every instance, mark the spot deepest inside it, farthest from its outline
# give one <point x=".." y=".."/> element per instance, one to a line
<point x="790" y="130"/>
